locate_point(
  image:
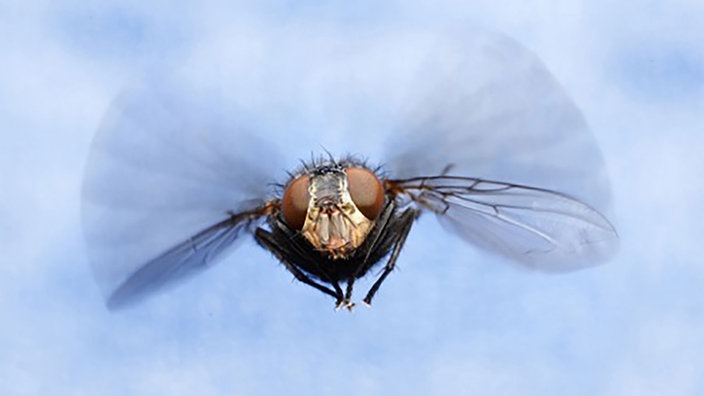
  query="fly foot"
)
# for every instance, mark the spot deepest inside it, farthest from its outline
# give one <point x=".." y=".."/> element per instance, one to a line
<point x="344" y="303"/>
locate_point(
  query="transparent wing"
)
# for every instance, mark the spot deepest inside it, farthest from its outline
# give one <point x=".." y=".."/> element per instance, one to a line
<point x="539" y="228"/>
<point x="488" y="108"/>
<point x="419" y="99"/>
<point x="164" y="165"/>
<point x="181" y="261"/>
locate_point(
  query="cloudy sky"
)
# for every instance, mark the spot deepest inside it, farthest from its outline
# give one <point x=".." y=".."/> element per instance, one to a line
<point x="452" y="319"/>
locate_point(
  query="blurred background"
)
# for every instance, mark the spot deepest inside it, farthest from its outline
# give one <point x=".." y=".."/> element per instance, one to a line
<point x="447" y="321"/>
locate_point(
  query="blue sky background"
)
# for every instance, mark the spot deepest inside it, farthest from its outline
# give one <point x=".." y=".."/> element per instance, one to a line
<point x="440" y="324"/>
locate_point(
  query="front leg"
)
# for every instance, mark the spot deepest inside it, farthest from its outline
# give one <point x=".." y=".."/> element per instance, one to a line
<point x="402" y="229"/>
<point x="347" y="301"/>
<point x="268" y="241"/>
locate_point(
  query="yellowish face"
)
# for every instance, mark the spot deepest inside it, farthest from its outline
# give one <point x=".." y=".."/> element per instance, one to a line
<point x="339" y="205"/>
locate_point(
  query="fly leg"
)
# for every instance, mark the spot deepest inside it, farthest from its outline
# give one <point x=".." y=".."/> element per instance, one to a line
<point x="406" y="222"/>
<point x="300" y="276"/>
<point x="375" y="237"/>
<point x="267" y="241"/>
<point x="341" y="301"/>
<point x="347" y="301"/>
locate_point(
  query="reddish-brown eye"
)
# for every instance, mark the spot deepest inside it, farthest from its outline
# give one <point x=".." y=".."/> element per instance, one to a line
<point x="366" y="191"/>
<point x="295" y="202"/>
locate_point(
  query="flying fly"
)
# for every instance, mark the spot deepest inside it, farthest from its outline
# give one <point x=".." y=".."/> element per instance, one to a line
<point x="166" y="195"/>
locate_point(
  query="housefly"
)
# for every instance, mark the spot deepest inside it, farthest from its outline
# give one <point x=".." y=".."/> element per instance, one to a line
<point x="487" y="142"/>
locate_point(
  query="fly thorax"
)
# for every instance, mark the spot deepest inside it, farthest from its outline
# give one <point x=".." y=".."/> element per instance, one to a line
<point x="333" y="222"/>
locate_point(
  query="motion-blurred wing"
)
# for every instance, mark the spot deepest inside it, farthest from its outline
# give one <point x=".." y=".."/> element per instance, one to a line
<point x="164" y="165"/>
<point x="417" y="99"/>
<point x="488" y="108"/>
<point x="179" y="262"/>
<point x="540" y="228"/>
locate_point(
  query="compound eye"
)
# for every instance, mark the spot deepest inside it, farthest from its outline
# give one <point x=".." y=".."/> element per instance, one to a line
<point x="366" y="191"/>
<point x="295" y="202"/>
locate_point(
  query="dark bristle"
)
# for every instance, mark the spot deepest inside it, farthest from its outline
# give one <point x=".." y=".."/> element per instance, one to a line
<point x="327" y="160"/>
